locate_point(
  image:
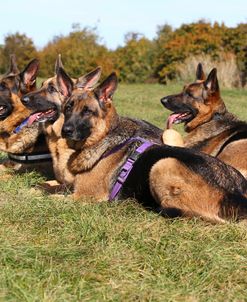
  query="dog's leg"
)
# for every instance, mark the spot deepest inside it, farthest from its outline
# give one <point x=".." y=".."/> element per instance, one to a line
<point x="7" y="167"/>
<point x="54" y="187"/>
<point x="177" y="188"/>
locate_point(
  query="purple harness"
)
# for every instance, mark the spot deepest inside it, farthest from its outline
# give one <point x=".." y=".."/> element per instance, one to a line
<point x="128" y="165"/>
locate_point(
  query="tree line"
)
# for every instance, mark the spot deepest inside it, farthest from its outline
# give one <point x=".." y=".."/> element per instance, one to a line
<point x="171" y="55"/>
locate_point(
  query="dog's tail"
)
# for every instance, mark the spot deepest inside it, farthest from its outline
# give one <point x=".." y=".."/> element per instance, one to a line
<point x="234" y="207"/>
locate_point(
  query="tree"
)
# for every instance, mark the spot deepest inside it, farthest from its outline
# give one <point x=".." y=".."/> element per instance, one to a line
<point x="235" y="40"/>
<point x="189" y="39"/>
<point x="134" y="61"/>
<point x="21" y="46"/>
<point x="81" y="52"/>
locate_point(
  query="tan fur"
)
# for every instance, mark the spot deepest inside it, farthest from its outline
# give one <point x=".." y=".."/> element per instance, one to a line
<point x="234" y="155"/>
<point x="175" y="186"/>
<point x="211" y="132"/>
<point x="24" y="141"/>
<point x="60" y="152"/>
<point x="53" y="187"/>
<point x="97" y="180"/>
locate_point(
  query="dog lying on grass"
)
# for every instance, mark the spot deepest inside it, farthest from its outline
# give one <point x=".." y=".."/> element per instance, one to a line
<point x="210" y="127"/>
<point x="107" y="156"/>
<point x="24" y="144"/>
<point x="46" y="104"/>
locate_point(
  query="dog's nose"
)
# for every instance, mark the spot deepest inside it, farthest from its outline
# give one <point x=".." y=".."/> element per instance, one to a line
<point x="164" y="101"/>
<point x="67" y="130"/>
<point x="25" y="100"/>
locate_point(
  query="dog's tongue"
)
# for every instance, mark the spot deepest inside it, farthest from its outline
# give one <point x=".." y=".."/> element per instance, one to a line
<point x="32" y="118"/>
<point x="171" y="119"/>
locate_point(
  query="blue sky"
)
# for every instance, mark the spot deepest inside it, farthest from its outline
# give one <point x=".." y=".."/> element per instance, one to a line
<point x="43" y="19"/>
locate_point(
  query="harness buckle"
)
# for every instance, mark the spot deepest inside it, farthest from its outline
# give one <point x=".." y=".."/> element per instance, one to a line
<point x="127" y="167"/>
<point x="125" y="170"/>
<point x="134" y="155"/>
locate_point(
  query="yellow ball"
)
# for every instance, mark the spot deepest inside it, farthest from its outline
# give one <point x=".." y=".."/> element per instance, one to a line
<point x="172" y="138"/>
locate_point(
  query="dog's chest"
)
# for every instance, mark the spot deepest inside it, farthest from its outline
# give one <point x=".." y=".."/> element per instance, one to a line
<point x="99" y="179"/>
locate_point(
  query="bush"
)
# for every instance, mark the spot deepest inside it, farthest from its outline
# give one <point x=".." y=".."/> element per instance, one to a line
<point x="134" y="61"/>
<point x="20" y="45"/>
<point x="226" y="64"/>
<point x="81" y="52"/>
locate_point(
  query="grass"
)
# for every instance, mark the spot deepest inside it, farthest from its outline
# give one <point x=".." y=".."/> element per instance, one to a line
<point x="61" y="250"/>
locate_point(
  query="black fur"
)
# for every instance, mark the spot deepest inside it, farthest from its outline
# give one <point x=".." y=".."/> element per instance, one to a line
<point x="6" y="104"/>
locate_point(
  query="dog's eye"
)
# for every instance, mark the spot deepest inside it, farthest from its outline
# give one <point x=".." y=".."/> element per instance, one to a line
<point x="86" y="110"/>
<point x="2" y="86"/>
<point x="51" y="89"/>
<point x="69" y="107"/>
<point x="189" y="94"/>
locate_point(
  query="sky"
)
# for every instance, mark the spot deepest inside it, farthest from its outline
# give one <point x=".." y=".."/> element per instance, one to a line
<point x="41" y="20"/>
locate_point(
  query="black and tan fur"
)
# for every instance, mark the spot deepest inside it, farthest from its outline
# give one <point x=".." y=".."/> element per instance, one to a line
<point x="211" y="128"/>
<point x="181" y="181"/>
<point x="13" y="85"/>
<point x="48" y="98"/>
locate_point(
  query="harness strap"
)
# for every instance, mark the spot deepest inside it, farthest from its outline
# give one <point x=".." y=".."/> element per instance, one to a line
<point x="29" y="158"/>
<point x="128" y="165"/>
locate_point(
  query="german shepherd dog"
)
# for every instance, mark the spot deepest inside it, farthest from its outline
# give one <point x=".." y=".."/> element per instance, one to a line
<point x="211" y="128"/>
<point x="46" y="104"/>
<point x="97" y="142"/>
<point x="20" y="140"/>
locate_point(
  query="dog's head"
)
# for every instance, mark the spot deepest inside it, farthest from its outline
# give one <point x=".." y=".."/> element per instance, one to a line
<point x="89" y="114"/>
<point x="22" y="82"/>
<point x="6" y="103"/>
<point x="197" y="103"/>
<point x="46" y="102"/>
<point x="12" y="85"/>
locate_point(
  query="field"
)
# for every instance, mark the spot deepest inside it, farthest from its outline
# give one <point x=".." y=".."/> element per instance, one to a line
<point x="61" y="250"/>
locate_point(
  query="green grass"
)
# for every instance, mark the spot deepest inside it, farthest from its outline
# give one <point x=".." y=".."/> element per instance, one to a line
<point x="61" y="250"/>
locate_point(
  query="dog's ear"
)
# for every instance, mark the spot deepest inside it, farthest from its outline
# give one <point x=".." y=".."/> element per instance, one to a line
<point x="107" y="88"/>
<point x="13" y="69"/>
<point x="211" y="82"/>
<point x="200" y="75"/>
<point x="90" y="79"/>
<point x="58" y="64"/>
<point x="64" y="82"/>
<point x="29" y="74"/>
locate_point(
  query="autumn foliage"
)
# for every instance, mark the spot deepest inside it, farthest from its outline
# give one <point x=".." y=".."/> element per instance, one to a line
<point x="165" y="58"/>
